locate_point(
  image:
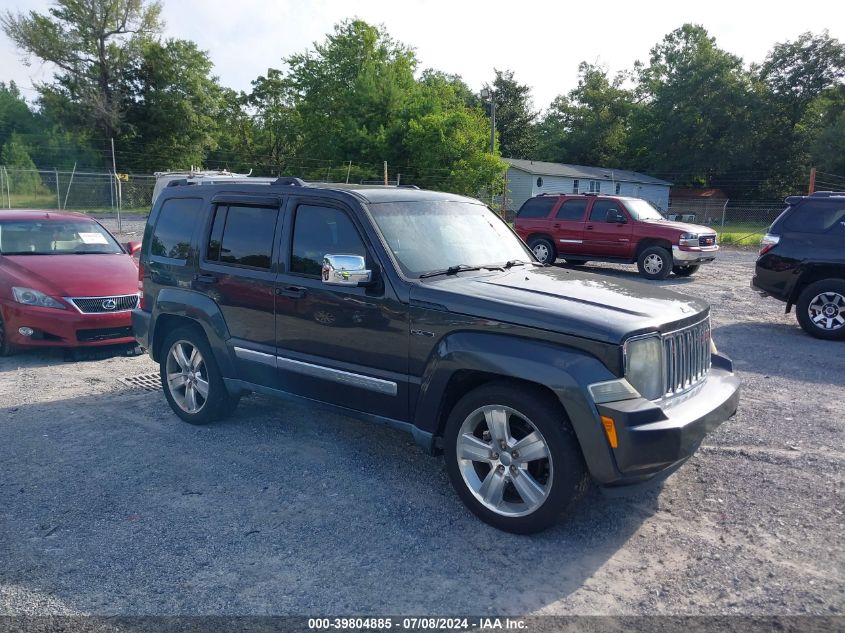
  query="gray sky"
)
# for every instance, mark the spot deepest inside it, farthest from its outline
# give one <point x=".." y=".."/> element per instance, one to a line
<point x="542" y="41"/>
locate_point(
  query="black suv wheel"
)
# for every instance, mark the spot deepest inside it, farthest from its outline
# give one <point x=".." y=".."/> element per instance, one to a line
<point x="190" y="378"/>
<point x="821" y="309"/>
<point x="513" y="457"/>
<point x="655" y="262"/>
<point x="543" y="250"/>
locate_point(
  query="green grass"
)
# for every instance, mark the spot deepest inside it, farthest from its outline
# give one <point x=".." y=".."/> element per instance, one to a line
<point x="740" y="234"/>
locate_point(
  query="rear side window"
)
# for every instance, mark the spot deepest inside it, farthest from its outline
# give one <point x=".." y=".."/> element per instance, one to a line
<point x="820" y="218"/>
<point x="600" y="209"/>
<point x="321" y="231"/>
<point x="175" y="226"/>
<point x="572" y="210"/>
<point x="243" y="236"/>
<point x="537" y="207"/>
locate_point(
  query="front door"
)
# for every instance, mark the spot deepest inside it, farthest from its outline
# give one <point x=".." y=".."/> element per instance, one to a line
<point x="603" y="238"/>
<point x="341" y="344"/>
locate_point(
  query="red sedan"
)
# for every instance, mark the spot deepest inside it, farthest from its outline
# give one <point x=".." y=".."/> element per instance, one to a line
<point x="64" y="282"/>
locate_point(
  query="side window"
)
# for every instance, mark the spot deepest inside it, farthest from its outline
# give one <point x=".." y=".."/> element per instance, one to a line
<point x="243" y="236"/>
<point x="575" y="184"/>
<point x="618" y="188"/>
<point x="321" y="231"/>
<point x="572" y="210"/>
<point x="600" y="209"/>
<point x="175" y="226"/>
<point x="821" y="218"/>
<point x="595" y="186"/>
<point x="539" y="207"/>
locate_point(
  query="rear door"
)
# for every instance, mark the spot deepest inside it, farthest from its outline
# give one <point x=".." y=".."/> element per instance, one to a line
<point x="568" y="226"/>
<point x="533" y="217"/>
<point x="608" y="239"/>
<point x="237" y="270"/>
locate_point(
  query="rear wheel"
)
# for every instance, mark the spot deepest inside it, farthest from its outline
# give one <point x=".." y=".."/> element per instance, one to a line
<point x="821" y="309"/>
<point x="655" y="262"/>
<point x="543" y="250"/>
<point x="191" y="380"/>
<point x="513" y="457"/>
<point x="684" y="271"/>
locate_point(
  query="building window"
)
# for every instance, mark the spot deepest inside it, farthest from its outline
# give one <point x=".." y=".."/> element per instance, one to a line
<point x="575" y="186"/>
<point x="539" y="182"/>
<point x="595" y="186"/>
<point x="618" y="187"/>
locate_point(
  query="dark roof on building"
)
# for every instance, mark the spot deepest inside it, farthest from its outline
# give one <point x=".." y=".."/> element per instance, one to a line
<point x="541" y="168"/>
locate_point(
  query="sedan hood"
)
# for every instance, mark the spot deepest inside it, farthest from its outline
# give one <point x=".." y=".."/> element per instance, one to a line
<point x="597" y="307"/>
<point x="88" y="275"/>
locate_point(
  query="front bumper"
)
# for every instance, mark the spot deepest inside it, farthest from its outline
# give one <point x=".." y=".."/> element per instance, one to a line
<point x="654" y="438"/>
<point x="691" y="255"/>
<point x="64" y="328"/>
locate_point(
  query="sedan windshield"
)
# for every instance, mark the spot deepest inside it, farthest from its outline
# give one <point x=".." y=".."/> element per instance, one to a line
<point x="430" y="236"/>
<point x="643" y="210"/>
<point x="55" y="237"/>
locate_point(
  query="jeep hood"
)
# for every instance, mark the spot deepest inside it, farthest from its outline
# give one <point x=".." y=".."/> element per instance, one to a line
<point x="577" y="303"/>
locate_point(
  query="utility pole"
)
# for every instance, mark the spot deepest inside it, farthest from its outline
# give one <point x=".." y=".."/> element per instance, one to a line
<point x="348" y="170"/>
<point x="385" y="173"/>
<point x="488" y="94"/>
<point x="117" y="187"/>
<point x="812" y="180"/>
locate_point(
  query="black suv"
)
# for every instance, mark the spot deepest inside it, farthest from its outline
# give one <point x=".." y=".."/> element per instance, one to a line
<point x="425" y="311"/>
<point x="802" y="262"/>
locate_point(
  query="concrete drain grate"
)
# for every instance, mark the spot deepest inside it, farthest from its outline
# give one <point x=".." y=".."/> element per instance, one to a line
<point x="146" y="382"/>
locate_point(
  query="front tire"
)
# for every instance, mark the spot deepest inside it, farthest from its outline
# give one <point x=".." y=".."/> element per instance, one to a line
<point x="543" y="250"/>
<point x="821" y="309"/>
<point x="191" y="380"/>
<point x="513" y="458"/>
<point x="684" y="271"/>
<point x="655" y="262"/>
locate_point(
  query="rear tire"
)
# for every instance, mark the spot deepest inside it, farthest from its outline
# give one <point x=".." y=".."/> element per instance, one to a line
<point x="684" y="271"/>
<point x="655" y="262"/>
<point x="513" y="457"/>
<point x="191" y="380"/>
<point x="543" y="250"/>
<point x="821" y="309"/>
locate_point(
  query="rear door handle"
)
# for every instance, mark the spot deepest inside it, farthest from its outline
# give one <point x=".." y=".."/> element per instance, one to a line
<point x="589" y="227"/>
<point x="557" y="226"/>
<point x="205" y="279"/>
<point x="294" y="292"/>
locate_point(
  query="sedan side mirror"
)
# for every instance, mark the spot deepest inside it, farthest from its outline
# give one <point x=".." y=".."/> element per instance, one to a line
<point x="133" y="247"/>
<point x="345" y="270"/>
<point x="615" y="216"/>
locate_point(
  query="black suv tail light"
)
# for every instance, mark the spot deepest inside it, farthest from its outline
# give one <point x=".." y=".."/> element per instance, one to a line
<point x="768" y="242"/>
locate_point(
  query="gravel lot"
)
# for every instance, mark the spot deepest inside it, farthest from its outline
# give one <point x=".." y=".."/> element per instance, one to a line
<point x="110" y="505"/>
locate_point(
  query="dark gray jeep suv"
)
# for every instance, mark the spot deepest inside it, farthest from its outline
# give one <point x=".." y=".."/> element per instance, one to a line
<point x="425" y="311"/>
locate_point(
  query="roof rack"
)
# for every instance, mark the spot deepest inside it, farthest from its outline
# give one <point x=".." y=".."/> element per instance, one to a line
<point x="827" y="194"/>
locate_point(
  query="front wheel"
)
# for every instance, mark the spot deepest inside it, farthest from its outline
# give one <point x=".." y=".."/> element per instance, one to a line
<point x="513" y="457"/>
<point x="543" y="250"/>
<point x="655" y="262"/>
<point x="684" y="271"/>
<point x="821" y="309"/>
<point x="191" y="380"/>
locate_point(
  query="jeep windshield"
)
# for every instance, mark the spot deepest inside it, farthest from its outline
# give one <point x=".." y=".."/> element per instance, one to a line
<point x="430" y="237"/>
<point x="642" y="210"/>
<point x="55" y="237"/>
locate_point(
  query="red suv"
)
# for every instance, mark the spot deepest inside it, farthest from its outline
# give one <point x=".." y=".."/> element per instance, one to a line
<point x="582" y="228"/>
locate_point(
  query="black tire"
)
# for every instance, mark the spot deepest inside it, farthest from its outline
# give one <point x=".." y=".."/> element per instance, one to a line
<point x="543" y="250"/>
<point x="647" y="259"/>
<point x="685" y="271"/>
<point x="821" y="309"/>
<point x="218" y="403"/>
<point x="563" y="473"/>
<point x="5" y="346"/>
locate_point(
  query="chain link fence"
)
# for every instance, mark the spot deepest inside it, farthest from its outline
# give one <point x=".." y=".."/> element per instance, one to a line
<point x="742" y="222"/>
<point x="97" y="192"/>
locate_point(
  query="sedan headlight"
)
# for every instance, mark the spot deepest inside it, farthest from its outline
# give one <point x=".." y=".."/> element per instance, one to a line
<point x="688" y="239"/>
<point x="31" y="297"/>
<point x="644" y="366"/>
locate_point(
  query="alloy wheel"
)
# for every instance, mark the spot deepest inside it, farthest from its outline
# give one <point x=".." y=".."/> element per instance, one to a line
<point x="187" y="376"/>
<point x="542" y="252"/>
<point x="653" y="264"/>
<point x="504" y="460"/>
<point x="827" y="311"/>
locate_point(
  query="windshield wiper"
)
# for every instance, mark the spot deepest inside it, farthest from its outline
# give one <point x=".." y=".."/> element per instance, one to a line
<point x="452" y="270"/>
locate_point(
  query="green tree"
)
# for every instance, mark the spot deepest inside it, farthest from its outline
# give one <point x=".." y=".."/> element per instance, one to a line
<point x="24" y="180"/>
<point x="277" y="121"/>
<point x="514" y="116"/>
<point x="93" y="43"/>
<point x="15" y="114"/>
<point x="590" y="125"/>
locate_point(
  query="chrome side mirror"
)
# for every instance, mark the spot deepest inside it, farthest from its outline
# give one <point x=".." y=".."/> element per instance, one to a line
<point x="345" y="270"/>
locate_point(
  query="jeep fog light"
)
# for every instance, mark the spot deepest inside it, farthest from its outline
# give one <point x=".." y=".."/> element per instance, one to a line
<point x="612" y="391"/>
<point x="644" y="365"/>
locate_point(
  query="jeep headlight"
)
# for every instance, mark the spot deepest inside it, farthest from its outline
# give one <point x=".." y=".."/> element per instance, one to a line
<point x="688" y="239"/>
<point x="644" y="365"/>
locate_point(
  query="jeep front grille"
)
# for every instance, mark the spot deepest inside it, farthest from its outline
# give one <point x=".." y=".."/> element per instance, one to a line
<point x="686" y="357"/>
<point x="96" y="305"/>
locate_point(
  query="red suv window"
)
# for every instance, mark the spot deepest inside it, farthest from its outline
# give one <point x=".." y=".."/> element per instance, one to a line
<point x="572" y="210"/>
<point x="539" y="207"/>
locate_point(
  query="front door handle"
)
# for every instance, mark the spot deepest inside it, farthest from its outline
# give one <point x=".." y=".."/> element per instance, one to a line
<point x="294" y="292"/>
<point x="589" y="227"/>
<point x="557" y="226"/>
<point x="205" y="279"/>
